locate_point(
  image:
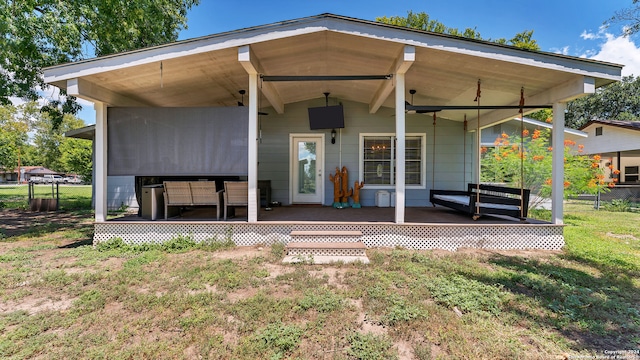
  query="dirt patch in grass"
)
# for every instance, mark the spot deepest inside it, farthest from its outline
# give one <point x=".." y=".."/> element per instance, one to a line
<point x="34" y="304"/>
<point x="622" y="236"/>
<point x="17" y="222"/>
<point x="511" y="253"/>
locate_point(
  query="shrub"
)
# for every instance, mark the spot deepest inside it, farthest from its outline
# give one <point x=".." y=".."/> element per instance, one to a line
<point x="279" y="338"/>
<point x="180" y="243"/>
<point x="466" y="294"/>
<point x="323" y="301"/>
<point x="278" y="250"/>
<point x="370" y="347"/>
<point x="618" y="205"/>
<point x="526" y="161"/>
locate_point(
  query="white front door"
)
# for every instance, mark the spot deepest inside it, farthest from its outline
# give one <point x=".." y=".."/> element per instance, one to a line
<point x="307" y="167"/>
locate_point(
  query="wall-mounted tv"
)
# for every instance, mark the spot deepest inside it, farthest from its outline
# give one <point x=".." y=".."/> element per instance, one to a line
<point x="326" y="117"/>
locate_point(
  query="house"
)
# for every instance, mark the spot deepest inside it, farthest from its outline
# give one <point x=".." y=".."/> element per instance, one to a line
<point x="618" y="144"/>
<point x="516" y="125"/>
<point x="8" y="176"/>
<point x="26" y="172"/>
<point x="172" y="111"/>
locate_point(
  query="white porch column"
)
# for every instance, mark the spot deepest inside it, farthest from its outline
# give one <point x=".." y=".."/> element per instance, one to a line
<point x="253" y="201"/>
<point x="100" y="165"/>
<point x="400" y="147"/>
<point x="557" y="164"/>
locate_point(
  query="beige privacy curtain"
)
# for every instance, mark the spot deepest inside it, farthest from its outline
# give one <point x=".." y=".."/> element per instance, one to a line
<point x="177" y="141"/>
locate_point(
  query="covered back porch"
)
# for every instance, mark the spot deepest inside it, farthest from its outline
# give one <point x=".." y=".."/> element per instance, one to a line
<point x="414" y="104"/>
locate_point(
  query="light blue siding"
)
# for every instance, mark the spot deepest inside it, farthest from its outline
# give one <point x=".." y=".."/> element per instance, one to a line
<point x="450" y="170"/>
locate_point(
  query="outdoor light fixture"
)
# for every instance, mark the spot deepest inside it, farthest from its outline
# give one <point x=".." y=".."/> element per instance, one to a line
<point x="333" y="136"/>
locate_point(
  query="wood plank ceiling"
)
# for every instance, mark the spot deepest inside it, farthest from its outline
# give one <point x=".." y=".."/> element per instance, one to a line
<point x="440" y="76"/>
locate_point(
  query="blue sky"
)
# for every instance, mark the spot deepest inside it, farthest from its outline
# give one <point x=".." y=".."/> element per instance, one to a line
<point x="571" y="27"/>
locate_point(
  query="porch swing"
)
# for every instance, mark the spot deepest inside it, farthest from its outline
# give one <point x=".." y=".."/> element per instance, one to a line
<point x="484" y="199"/>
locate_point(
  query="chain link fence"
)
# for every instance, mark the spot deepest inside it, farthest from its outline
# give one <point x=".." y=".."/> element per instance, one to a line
<point x="45" y="197"/>
<point x="626" y="193"/>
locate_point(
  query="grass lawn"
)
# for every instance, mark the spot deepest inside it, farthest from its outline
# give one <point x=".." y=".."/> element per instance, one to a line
<point x="71" y="196"/>
<point x="62" y="298"/>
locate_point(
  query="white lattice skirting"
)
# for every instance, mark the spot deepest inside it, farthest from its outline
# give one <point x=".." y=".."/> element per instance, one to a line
<point x="410" y="236"/>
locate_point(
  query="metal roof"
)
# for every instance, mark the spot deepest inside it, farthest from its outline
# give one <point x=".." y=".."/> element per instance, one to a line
<point x="632" y="125"/>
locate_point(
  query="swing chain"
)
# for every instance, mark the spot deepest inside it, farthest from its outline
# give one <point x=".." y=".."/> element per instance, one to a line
<point x="521" y="100"/>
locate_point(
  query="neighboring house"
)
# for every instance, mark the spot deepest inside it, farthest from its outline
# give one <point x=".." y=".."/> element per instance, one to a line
<point x="172" y="110"/>
<point x="515" y="126"/>
<point x="23" y="174"/>
<point x="38" y="171"/>
<point x="618" y="144"/>
<point x="8" y="176"/>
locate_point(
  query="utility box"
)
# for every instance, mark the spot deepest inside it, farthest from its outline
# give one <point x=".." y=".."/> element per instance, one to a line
<point x="382" y="198"/>
<point x="152" y="202"/>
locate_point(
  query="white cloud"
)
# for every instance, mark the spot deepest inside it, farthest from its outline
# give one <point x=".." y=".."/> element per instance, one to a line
<point x="87" y="114"/>
<point x="588" y="35"/>
<point x="620" y="50"/>
<point x="563" y="50"/>
<point x="615" y="49"/>
<point x="51" y="92"/>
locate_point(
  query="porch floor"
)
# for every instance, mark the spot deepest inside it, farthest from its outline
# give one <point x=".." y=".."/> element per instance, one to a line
<point x="314" y="213"/>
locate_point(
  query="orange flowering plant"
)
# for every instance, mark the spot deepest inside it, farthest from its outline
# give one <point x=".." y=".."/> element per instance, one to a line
<point x="502" y="164"/>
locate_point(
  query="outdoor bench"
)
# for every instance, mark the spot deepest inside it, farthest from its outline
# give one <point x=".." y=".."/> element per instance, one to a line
<point x="236" y="193"/>
<point x="191" y="193"/>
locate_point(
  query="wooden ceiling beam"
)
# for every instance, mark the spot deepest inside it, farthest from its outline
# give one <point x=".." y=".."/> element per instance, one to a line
<point x="93" y="92"/>
<point x="402" y="63"/>
<point x="252" y="66"/>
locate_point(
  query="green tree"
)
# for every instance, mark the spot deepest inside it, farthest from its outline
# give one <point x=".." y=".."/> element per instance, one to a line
<point x="29" y="156"/>
<point x="48" y="139"/>
<point x="544" y="115"/>
<point x="13" y="137"/>
<point x="630" y="17"/>
<point x="617" y="101"/>
<point x="531" y="168"/>
<point x="76" y="158"/>
<point x="422" y="21"/>
<point x="37" y="34"/>
<point x="523" y="40"/>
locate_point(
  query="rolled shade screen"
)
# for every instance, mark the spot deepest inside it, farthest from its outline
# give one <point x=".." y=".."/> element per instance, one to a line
<point x="177" y="141"/>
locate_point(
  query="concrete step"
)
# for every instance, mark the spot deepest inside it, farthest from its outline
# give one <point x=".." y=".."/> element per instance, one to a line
<point x="332" y="236"/>
<point x="326" y="252"/>
<point x="323" y="260"/>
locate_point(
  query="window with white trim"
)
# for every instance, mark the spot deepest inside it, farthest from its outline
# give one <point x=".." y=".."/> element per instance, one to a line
<point x="378" y="160"/>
